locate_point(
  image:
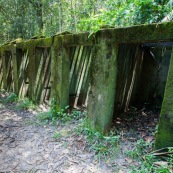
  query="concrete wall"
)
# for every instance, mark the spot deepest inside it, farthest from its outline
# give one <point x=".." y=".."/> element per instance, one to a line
<point x="121" y="71"/>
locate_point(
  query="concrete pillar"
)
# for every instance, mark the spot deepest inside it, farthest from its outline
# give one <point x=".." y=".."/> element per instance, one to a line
<point x="31" y="71"/>
<point x="103" y="82"/>
<point x="164" y="134"/>
<point x="4" y="69"/>
<point x="60" y="69"/>
<point x="15" y="69"/>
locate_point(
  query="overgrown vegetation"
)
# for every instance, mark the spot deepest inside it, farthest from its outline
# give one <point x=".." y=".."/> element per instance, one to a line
<point x="25" y="104"/>
<point x="26" y="18"/>
<point x="52" y="116"/>
<point x="107" y="146"/>
<point x="21" y="103"/>
<point x="149" y="161"/>
<point x="103" y="145"/>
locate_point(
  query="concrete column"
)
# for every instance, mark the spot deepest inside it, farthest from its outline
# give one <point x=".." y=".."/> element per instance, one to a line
<point x="164" y="134"/>
<point x="15" y="69"/>
<point x="31" y="71"/>
<point x="1" y="72"/>
<point x="103" y="82"/>
<point x="4" y="69"/>
<point x="60" y="69"/>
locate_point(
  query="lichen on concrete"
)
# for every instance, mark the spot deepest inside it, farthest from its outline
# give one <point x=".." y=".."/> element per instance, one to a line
<point x="164" y="135"/>
<point x="103" y="82"/>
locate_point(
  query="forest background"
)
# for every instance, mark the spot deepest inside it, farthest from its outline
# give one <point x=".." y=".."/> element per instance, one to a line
<point x="27" y="18"/>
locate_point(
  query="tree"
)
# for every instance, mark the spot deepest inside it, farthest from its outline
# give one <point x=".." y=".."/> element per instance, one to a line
<point x="26" y="18"/>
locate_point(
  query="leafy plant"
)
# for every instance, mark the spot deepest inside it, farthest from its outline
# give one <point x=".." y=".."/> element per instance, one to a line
<point x="25" y="104"/>
<point x="140" y="148"/>
<point x="52" y="116"/>
<point x="12" y="97"/>
<point x="147" y="161"/>
<point x="102" y="145"/>
<point x="57" y="136"/>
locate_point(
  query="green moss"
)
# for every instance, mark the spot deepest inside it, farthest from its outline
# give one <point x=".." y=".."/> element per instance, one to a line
<point x="77" y="39"/>
<point x="103" y="82"/>
<point x="24" y="45"/>
<point x="18" y="40"/>
<point x="142" y="33"/>
<point x="60" y="65"/>
<point x="6" y="47"/>
<point x="44" y="42"/>
<point x="164" y="136"/>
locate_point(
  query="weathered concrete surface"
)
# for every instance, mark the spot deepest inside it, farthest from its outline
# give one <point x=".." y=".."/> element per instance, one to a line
<point x="142" y="33"/>
<point x="1" y="71"/>
<point x="164" y="135"/>
<point x="60" y="69"/>
<point x="31" y="73"/>
<point x="103" y="83"/>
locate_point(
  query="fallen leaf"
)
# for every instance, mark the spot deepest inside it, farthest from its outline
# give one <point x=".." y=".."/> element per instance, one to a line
<point x="129" y="160"/>
<point x="161" y="163"/>
<point x="149" y="138"/>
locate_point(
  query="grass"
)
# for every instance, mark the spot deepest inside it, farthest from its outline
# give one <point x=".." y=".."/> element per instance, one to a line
<point x="104" y="146"/>
<point x="140" y="149"/>
<point x="57" y="136"/>
<point x="64" y="116"/>
<point x="148" y="162"/>
<point x="25" y="104"/>
<point x="12" y="97"/>
<point x="21" y="103"/>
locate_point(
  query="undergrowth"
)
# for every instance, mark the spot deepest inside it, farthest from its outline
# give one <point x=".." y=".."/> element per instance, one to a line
<point x="103" y="145"/>
<point x="63" y="116"/>
<point x="148" y="162"/>
<point x="25" y="104"/>
<point x="21" y="103"/>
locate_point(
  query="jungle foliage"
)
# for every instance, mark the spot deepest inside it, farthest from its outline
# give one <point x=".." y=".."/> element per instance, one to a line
<point x="27" y="18"/>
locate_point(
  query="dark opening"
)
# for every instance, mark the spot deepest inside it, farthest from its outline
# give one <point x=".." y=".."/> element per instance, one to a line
<point x="142" y="75"/>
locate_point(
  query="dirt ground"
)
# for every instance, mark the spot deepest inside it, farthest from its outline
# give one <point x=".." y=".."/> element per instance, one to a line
<point x="26" y="146"/>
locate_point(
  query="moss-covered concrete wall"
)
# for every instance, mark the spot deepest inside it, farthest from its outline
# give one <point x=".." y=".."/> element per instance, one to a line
<point x="107" y="69"/>
<point x="103" y="83"/>
<point x="1" y="72"/>
<point x="164" y="135"/>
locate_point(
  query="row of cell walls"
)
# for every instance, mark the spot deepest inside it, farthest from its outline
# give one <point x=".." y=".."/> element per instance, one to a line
<point x="79" y="75"/>
<point x="1" y="72"/>
<point x="42" y="85"/>
<point x="22" y="70"/>
<point x="129" y="64"/>
<point x="9" y="71"/>
<point x="154" y="75"/>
